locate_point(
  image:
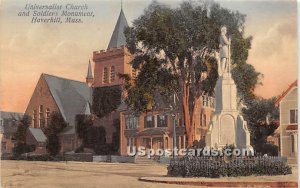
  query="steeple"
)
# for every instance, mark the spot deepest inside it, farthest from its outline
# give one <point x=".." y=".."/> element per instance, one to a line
<point x="118" y="38"/>
<point x="89" y="76"/>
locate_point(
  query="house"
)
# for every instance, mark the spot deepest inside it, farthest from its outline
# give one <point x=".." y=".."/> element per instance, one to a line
<point x="155" y="129"/>
<point x="56" y="94"/>
<point x="288" y="128"/>
<point x="8" y="126"/>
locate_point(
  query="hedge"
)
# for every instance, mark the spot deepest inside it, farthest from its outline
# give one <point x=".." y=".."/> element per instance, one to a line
<point x="190" y="166"/>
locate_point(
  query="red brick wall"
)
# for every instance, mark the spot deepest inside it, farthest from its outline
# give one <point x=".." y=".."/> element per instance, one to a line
<point x="41" y="96"/>
<point x="117" y="57"/>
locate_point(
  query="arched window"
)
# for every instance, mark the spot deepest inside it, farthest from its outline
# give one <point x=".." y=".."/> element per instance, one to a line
<point x="105" y="75"/>
<point x="47" y="116"/>
<point x="112" y="73"/>
<point x="41" y="116"/>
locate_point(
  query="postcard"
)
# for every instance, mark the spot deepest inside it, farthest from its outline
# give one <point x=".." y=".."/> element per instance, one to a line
<point x="162" y="93"/>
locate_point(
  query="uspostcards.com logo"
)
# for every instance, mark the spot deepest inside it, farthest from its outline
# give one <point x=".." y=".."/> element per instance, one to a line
<point x="209" y="152"/>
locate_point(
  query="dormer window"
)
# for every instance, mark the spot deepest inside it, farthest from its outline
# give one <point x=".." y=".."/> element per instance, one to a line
<point x="112" y="74"/>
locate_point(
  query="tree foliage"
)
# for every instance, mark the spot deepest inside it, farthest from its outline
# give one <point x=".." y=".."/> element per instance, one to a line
<point x="56" y="126"/>
<point x="106" y="100"/>
<point x="173" y="48"/>
<point x="20" y="134"/>
<point x="83" y="123"/>
<point x="20" y="137"/>
<point x="256" y="113"/>
<point x="96" y="138"/>
<point x="116" y="136"/>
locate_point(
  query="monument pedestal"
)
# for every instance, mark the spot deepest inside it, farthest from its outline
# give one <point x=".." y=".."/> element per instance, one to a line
<point x="227" y="126"/>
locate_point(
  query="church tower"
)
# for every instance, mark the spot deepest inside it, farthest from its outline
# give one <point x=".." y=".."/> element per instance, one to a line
<point x="114" y="60"/>
<point x="118" y="38"/>
<point x="89" y="77"/>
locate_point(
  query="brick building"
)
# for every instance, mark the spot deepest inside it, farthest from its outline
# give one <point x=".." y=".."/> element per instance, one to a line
<point x="56" y="94"/>
<point x="154" y="130"/>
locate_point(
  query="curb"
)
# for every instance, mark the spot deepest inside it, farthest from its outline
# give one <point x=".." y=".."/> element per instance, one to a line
<point x="223" y="183"/>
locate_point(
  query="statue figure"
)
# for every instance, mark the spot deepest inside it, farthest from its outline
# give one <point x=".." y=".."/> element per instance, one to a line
<point x="224" y="51"/>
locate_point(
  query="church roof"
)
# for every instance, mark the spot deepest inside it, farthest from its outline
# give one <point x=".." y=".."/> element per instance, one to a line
<point x="118" y="38"/>
<point x="89" y="73"/>
<point x="70" y="96"/>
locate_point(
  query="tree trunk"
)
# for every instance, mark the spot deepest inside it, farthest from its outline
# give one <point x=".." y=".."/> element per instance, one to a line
<point x="188" y="119"/>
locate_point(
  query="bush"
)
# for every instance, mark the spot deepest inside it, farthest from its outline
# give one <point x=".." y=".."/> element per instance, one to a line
<point x="189" y="166"/>
<point x="21" y="148"/>
<point x="80" y="149"/>
<point x="103" y="149"/>
<point x="269" y="149"/>
<point x="52" y="144"/>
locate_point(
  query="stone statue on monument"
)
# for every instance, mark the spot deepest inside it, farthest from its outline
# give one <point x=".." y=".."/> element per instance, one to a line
<point x="224" y="45"/>
<point x="227" y="125"/>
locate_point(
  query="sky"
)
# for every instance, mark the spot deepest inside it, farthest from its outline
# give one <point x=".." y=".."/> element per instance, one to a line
<point x="27" y="50"/>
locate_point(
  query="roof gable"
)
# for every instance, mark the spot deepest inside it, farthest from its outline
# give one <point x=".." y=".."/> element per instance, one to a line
<point x="118" y="38"/>
<point x="294" y="84"/>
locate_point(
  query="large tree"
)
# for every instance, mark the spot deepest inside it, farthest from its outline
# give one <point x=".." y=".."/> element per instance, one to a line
<point x="174" y="48"/>
<point x="20" y="137"/>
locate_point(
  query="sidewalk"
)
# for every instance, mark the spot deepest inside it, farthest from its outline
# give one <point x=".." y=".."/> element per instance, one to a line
<point x="290" y="180"/>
